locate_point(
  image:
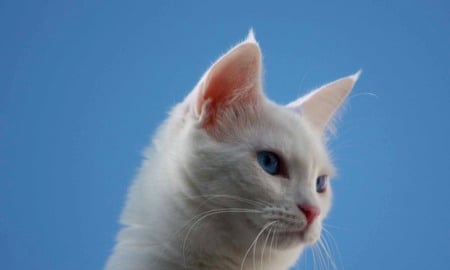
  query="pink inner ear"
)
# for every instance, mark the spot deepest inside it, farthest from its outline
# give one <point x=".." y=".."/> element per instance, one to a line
<point x="232" y="81"/>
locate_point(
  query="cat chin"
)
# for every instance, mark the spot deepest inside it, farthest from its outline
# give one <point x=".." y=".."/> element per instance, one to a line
<point x="291" y="239"/>
<point x="310" y="235"/>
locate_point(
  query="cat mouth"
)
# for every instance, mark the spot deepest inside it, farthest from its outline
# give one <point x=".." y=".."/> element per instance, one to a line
<point x="295" y="232"/>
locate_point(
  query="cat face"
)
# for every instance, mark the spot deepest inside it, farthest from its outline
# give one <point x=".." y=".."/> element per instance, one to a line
<point x="274" y="166"/>
<point x="263" y="165"/>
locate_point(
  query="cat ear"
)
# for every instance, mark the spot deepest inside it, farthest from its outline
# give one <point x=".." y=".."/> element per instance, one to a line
<point x="234" y="80"/>
<point x="320" y="105"/>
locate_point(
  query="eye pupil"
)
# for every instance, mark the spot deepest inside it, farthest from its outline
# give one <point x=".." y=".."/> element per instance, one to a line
<point x="269" y="161"/>
<point x="321" y="183"/>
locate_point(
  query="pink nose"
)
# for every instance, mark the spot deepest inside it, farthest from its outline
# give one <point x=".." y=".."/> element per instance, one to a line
<point x="310" y="212"/>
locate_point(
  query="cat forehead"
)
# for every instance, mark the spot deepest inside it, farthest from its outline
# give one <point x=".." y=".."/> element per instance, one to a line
<point x="289" y="133"/>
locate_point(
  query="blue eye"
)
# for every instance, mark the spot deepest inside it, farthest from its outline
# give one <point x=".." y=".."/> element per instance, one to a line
<point x="321" y="183"/>
<point x="269" y="161"/>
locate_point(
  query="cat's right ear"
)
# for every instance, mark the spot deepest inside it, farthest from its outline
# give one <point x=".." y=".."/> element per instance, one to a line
<point x="232" y="81"/>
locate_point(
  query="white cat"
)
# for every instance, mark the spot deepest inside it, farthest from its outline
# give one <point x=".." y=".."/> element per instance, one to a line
<point x="232" y="180"/>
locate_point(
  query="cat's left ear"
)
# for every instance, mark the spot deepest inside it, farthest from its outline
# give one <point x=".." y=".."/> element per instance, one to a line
<point x="320" y="105"/>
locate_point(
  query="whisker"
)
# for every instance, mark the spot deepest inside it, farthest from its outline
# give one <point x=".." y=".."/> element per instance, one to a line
<point x="330" y="226"/>
<point x="263" y="249"/>
<point x="276" y="242"/>
<point x="327" y="251"/>
<point x="271" y="245"/>
<point x="334" y="245"/>
<point x="317" y="262"/>
<point x="314" y="257"/>
<point x="322" y="253"/>
<point x="254" y="253"/>
<point x="220" y="209"/>
<point x="363" y="94"/>
<point x="254" y="243"/>
<point x="333" y="240"/>
<point x="325" y="262"/>
<point x="307" y="258"/>
<point x="228" y="196"/>
<point x="210" y="213"/>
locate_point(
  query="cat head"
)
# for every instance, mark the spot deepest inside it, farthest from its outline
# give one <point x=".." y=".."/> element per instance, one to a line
<point x="265" y="165"/>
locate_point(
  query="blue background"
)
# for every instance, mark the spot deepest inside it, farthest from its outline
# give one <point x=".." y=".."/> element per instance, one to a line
<point x="84" y="84"/>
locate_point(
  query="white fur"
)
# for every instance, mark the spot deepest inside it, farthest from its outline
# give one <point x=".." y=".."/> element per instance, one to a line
<point x="173" y="217"/>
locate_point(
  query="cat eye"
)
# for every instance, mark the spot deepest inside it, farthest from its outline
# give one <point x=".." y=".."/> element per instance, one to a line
<point x="321" y="183"/>
<point x="269" y="161"/>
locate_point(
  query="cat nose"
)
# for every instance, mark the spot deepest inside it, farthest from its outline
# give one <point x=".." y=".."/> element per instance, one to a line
<point x="310" y="212"/>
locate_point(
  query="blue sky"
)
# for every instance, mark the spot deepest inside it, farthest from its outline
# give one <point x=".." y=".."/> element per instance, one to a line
<point x="84" y="84"/>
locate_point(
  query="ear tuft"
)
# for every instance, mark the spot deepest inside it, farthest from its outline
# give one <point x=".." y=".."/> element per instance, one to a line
<point x="355" y="76"/>
<point x="251" y="36"/>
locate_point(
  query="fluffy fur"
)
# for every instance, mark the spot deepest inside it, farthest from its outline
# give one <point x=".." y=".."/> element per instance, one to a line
<point x="202" y="201"/>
